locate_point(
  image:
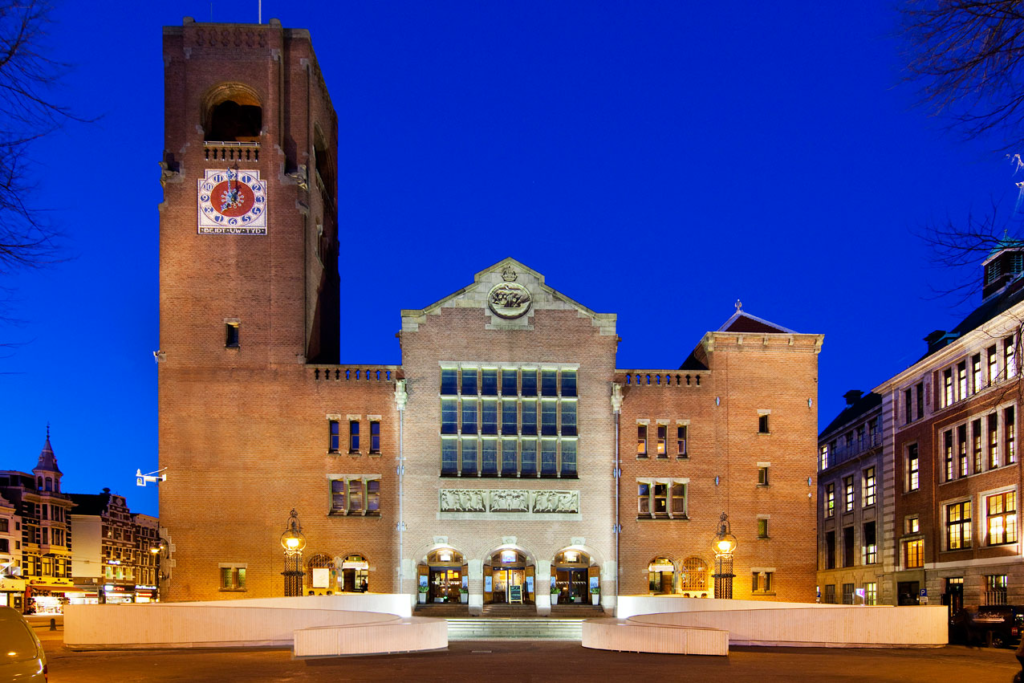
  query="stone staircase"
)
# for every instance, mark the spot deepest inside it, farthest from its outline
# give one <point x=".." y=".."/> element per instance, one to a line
<point x="498" y="628"/>
<point x="441" y="611"/>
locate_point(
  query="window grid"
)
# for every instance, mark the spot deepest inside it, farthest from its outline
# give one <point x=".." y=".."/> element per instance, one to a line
<point x="870" y="487"/>
<point x="661" y="499"/>
<point x="1001" y="510"/>
<point x="958" y="526"/>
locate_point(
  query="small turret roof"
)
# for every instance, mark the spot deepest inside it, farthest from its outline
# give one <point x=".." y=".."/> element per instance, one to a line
<point x="47" y="460"/>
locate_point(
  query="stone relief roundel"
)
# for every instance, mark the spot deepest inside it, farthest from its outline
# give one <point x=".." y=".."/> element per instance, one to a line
<point x="509" y="300"/>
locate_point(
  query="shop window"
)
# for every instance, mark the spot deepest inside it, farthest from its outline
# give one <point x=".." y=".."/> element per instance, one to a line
<point x="823" y="456"/>
<point x="961" y="380"/>
<point x="681" y="451"/>
<point x="1002" y="518"/>
<point x="374" y="438"/>
<point x="913" y="525"/>
<point x="489" y="382"/>
<point x="568" y="383"/>
<point x="353" y="436"/>
<point x="334" y="436"/>
<point x="232" y="577"/>
<point x="469" y="385"/>
<point x="232" y="335"/>
<point x="762" y="424"/>
<point x="641" y="441"/>
<point x="661" y="446"/>
<point x="958" y="526"/>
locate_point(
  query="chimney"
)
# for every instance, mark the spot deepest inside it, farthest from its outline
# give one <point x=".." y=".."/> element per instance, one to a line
<point x="852" y="396"/>
<point x="934" y="337"/>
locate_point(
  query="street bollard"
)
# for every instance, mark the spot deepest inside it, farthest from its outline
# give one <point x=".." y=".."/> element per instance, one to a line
<point x="53" y="624"/>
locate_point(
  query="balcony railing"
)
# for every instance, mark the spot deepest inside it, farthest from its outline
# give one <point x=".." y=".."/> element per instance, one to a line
<point x="232" y="151"/>
<point x="845" y="451"/>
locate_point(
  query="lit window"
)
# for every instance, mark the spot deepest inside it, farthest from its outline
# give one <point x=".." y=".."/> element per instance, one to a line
<point x="976" y="385"/>
<point x="662" y="438"/>
<point x="824" y="456"/>
<point x="870" y="487"/>
<point x="830" y="500"/>
<point x="961" y="449"/>
<point x="870" y="544"/>
<point x="993" y="369"/>
<point x="976" y="440"/>
<point x="641" y="441"/>
<point x="1009" y="433"/>
<point x="232" y="577"/>
<point x="947" y="387"/>
<point x="681" y="451"/>
<point x="914" y="554"/>
<point x="913" y="468"/>
<point x="662" y="500"/>
<point x="355" y="496"/>
<point x="958" y="526"/>
<point x="993" y="441"/>
<point x="1002" y="518"/>
<point x="961" y="380"/>
<point x="1009" y="357"/>
<point x="913" y="525"/>
<point x="870" y="593"/>
<point x="848" y="494"/>
<point x="995" y="589"/>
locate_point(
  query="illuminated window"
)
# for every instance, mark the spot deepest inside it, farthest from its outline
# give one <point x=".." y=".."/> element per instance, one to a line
<point x="995" y="589"/>
<point x="958" y="526"/>
<point x="662" y="438"/>
<point x="830" y="500"/>
<point x="976" y="450"/>
<point x="870" y="593"/>
<point x="662" y="499"/>
<point x="993" y="368"/>
<point x="913" y="467"/>
<point x="913" y="554"/>
<point x="848" y="499"/>
<point x="961" y="449"/>
<point x="947" y="454"/>
<point x="993" y="441"/>
<point x="870" y="487"/>
<point x="1002" y="518"/>
<point x="947" y="387"/>
<point x="681" y="451"/>
<point x="976" y="385"/>
<point x="961" y="380"/>
<point x="1009" y="358"/>
<point x="641" y="441"/>
<point x="824" y="456"/>
<point x="870" y="544"/>
<point x="232" y="577"/>
<point x="1009" y="433"/>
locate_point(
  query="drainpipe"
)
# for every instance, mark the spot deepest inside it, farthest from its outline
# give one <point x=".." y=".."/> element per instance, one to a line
<point x="617" y="474"/>
<point x="400" y="400"/>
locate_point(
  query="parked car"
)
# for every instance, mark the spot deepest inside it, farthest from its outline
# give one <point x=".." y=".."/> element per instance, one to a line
<point x="1004" y="624"/>
<point x="21" y="653"/>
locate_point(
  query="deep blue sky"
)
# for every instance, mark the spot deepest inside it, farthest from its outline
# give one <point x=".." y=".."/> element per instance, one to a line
<point x="657" y="160"/>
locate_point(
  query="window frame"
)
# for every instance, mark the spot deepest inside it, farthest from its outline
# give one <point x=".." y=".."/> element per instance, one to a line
<point x="365" y="495"/>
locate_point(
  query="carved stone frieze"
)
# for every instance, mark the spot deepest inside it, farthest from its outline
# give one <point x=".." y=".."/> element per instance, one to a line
<point x="509" y="500"/>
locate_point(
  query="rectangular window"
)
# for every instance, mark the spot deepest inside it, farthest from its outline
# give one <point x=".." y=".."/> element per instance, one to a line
<point x="848" y="494"/>
<point x="847" y="593"/>
<point x="568" y="383"/>
<point x="347" y="496"/>
<point x="548" y="457"/>
<point x="449" y="381"/>
<point x="913" y="554"/>
<point x="529" y="382"/>
<point x="469" y="416"/>
<point x="660" y="500"/>
<point x="355" y="496"/>
<point x="549" y="382"/>
<point x="958" y="526"/>
<point x="449" y="416"/>
<point x="641" y="441"/>
<point x="824" y="456"/>
<point x="568" y="468"/>
<point x="375" y="437"/>
<point x="489" y="417"/>
<point x="993" y="441"/>
<point x="1009" y="433"/>
<point x="830" y="500"/>
<point x="870" y="544"/>
<point x="529" y="418"/>
<point x="762" y="528"/>
<point x="913" y="525"/>
<point x="469" y="384"/>
<point x="976" y="373"/>
<point x="569" y="418"/>
<point x="549" y="418"/>
<point x="947" y="457"/>
<point x="449" y="456"/>
<point x="993" y="369"/>
<point x="231" y="578"/>
<point x="1009" y="358"/>
<point x="762" y="424"/>
<point x="509" y="417"/>
<point x="976" y="440"/>
<point x="489" y="382"/>
<point x="529" y="456"/>
<point x="681" y="442"/>
<point x="961" y="380"/>
<point x="678" y="495"/>
<point x="1002" y="518"/>
<point x="849" y="549"/>
<point x="509" y="382"/>
<point x="333" y="436"/>
<point x="870" y="487"/>
<point x="908" y="404"/>
<point x="870" y="593"/>
<point x="754" y="582"/>
<point x="231" y="335"/>
<point x="643" y="499"/>
<point x="830" y="594"/>
<point x="489" y="455"/>
<point x="830" y="550"/>
<point x="961" y="450"/>
<point x="919" y="389"/>
<point x="373" y="497"/>
<point x="995" y="589"/>
<point x="509" y="465"/>
<point x="762" y="476"/>
<point x="662" y="439"/>
<point x="353" y="436"/>
<point x="469" y="456"/>
<point x="947" y="387"/>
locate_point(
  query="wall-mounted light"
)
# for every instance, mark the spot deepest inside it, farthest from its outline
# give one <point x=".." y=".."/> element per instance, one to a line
<point x="808" y="481"/>
<point x="716" y="480"/>
<point x="810" y="402"/>
<point x="718" y="400"/>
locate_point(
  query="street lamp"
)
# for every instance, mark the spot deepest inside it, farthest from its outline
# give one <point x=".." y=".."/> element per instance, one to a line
<point x="293" y="542"/>
<point x="724" y="546"/>
<point x="156" y="569"/>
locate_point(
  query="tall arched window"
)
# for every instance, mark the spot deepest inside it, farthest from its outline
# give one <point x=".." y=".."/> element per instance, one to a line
<point x="319" y="579"/>
<point x="232" y="113"/>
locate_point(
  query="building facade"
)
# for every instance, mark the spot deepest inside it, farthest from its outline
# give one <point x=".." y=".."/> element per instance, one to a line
<point x="507" y="460"/>
<point x="12" y="585"/>
<point x="851" y="518"/>
<point x="45" y="531"/>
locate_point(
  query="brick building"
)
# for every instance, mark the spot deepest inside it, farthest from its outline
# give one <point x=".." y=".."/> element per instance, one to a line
<point x="12" y="586"/>
<point x="499" y="461"/>
<point x="850" y="517"/>
<point x="952" y="468"/>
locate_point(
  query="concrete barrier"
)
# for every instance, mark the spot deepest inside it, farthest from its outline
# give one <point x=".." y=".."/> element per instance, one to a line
<point x="414" y="634"/>
<point x="629" y="635"/>
<point x="269" y="622"/>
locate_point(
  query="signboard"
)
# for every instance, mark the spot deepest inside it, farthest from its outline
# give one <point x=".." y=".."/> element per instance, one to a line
<point x="515" y="594"/>
<point x="529" y="584"/>
<point x="487" y="584"/>
<point x="594" y="582"/>
<point x="321" y="577"/>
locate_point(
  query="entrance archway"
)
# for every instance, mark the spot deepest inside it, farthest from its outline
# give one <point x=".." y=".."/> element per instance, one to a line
<point x="577" y="578"/>
<point x="660" y="573"/>
<point x="509" y="578"/>
<point x="319" y="573"/>
<point x="355" y="575"/>
<point x="444" y="575"/>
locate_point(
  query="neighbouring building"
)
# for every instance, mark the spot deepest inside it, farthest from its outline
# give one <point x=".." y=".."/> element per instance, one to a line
<point x="507" y="460"/>
<point x="149" y="548"/>
<point x="952" y="467"/>
<point x="850" y="512"/>
<point x="45" y="531"/>
<point x="12" y="585"/>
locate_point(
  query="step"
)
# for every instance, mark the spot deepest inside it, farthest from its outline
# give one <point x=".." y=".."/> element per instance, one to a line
<point x="494" y="628"/>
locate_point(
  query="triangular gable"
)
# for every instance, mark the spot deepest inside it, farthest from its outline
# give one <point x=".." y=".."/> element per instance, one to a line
<point x="741" y="321"/>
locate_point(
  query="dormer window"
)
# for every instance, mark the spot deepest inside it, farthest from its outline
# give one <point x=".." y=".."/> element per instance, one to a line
<point x="993" y="271"/>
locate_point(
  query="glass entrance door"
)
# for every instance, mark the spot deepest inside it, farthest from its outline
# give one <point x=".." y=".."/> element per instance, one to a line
<point x="445" y="584"/>
<point x="508" y="586"/>
<point x="572" y="586"/>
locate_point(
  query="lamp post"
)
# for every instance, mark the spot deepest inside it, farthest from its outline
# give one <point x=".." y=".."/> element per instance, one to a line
<point x="293" y="542"/>
<point x="724" y="546"/>
<point x="156" y="569"/>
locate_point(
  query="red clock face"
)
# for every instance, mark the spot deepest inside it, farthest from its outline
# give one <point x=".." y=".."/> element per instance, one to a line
<point x="232" y="198"/>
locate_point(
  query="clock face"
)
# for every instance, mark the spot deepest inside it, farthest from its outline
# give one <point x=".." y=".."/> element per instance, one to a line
<point x="232" y="202"/>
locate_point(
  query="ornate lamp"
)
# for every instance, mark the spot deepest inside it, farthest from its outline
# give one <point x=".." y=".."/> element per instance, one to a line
<point x="293" y="543"/>
<point x="724" y="546"/>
